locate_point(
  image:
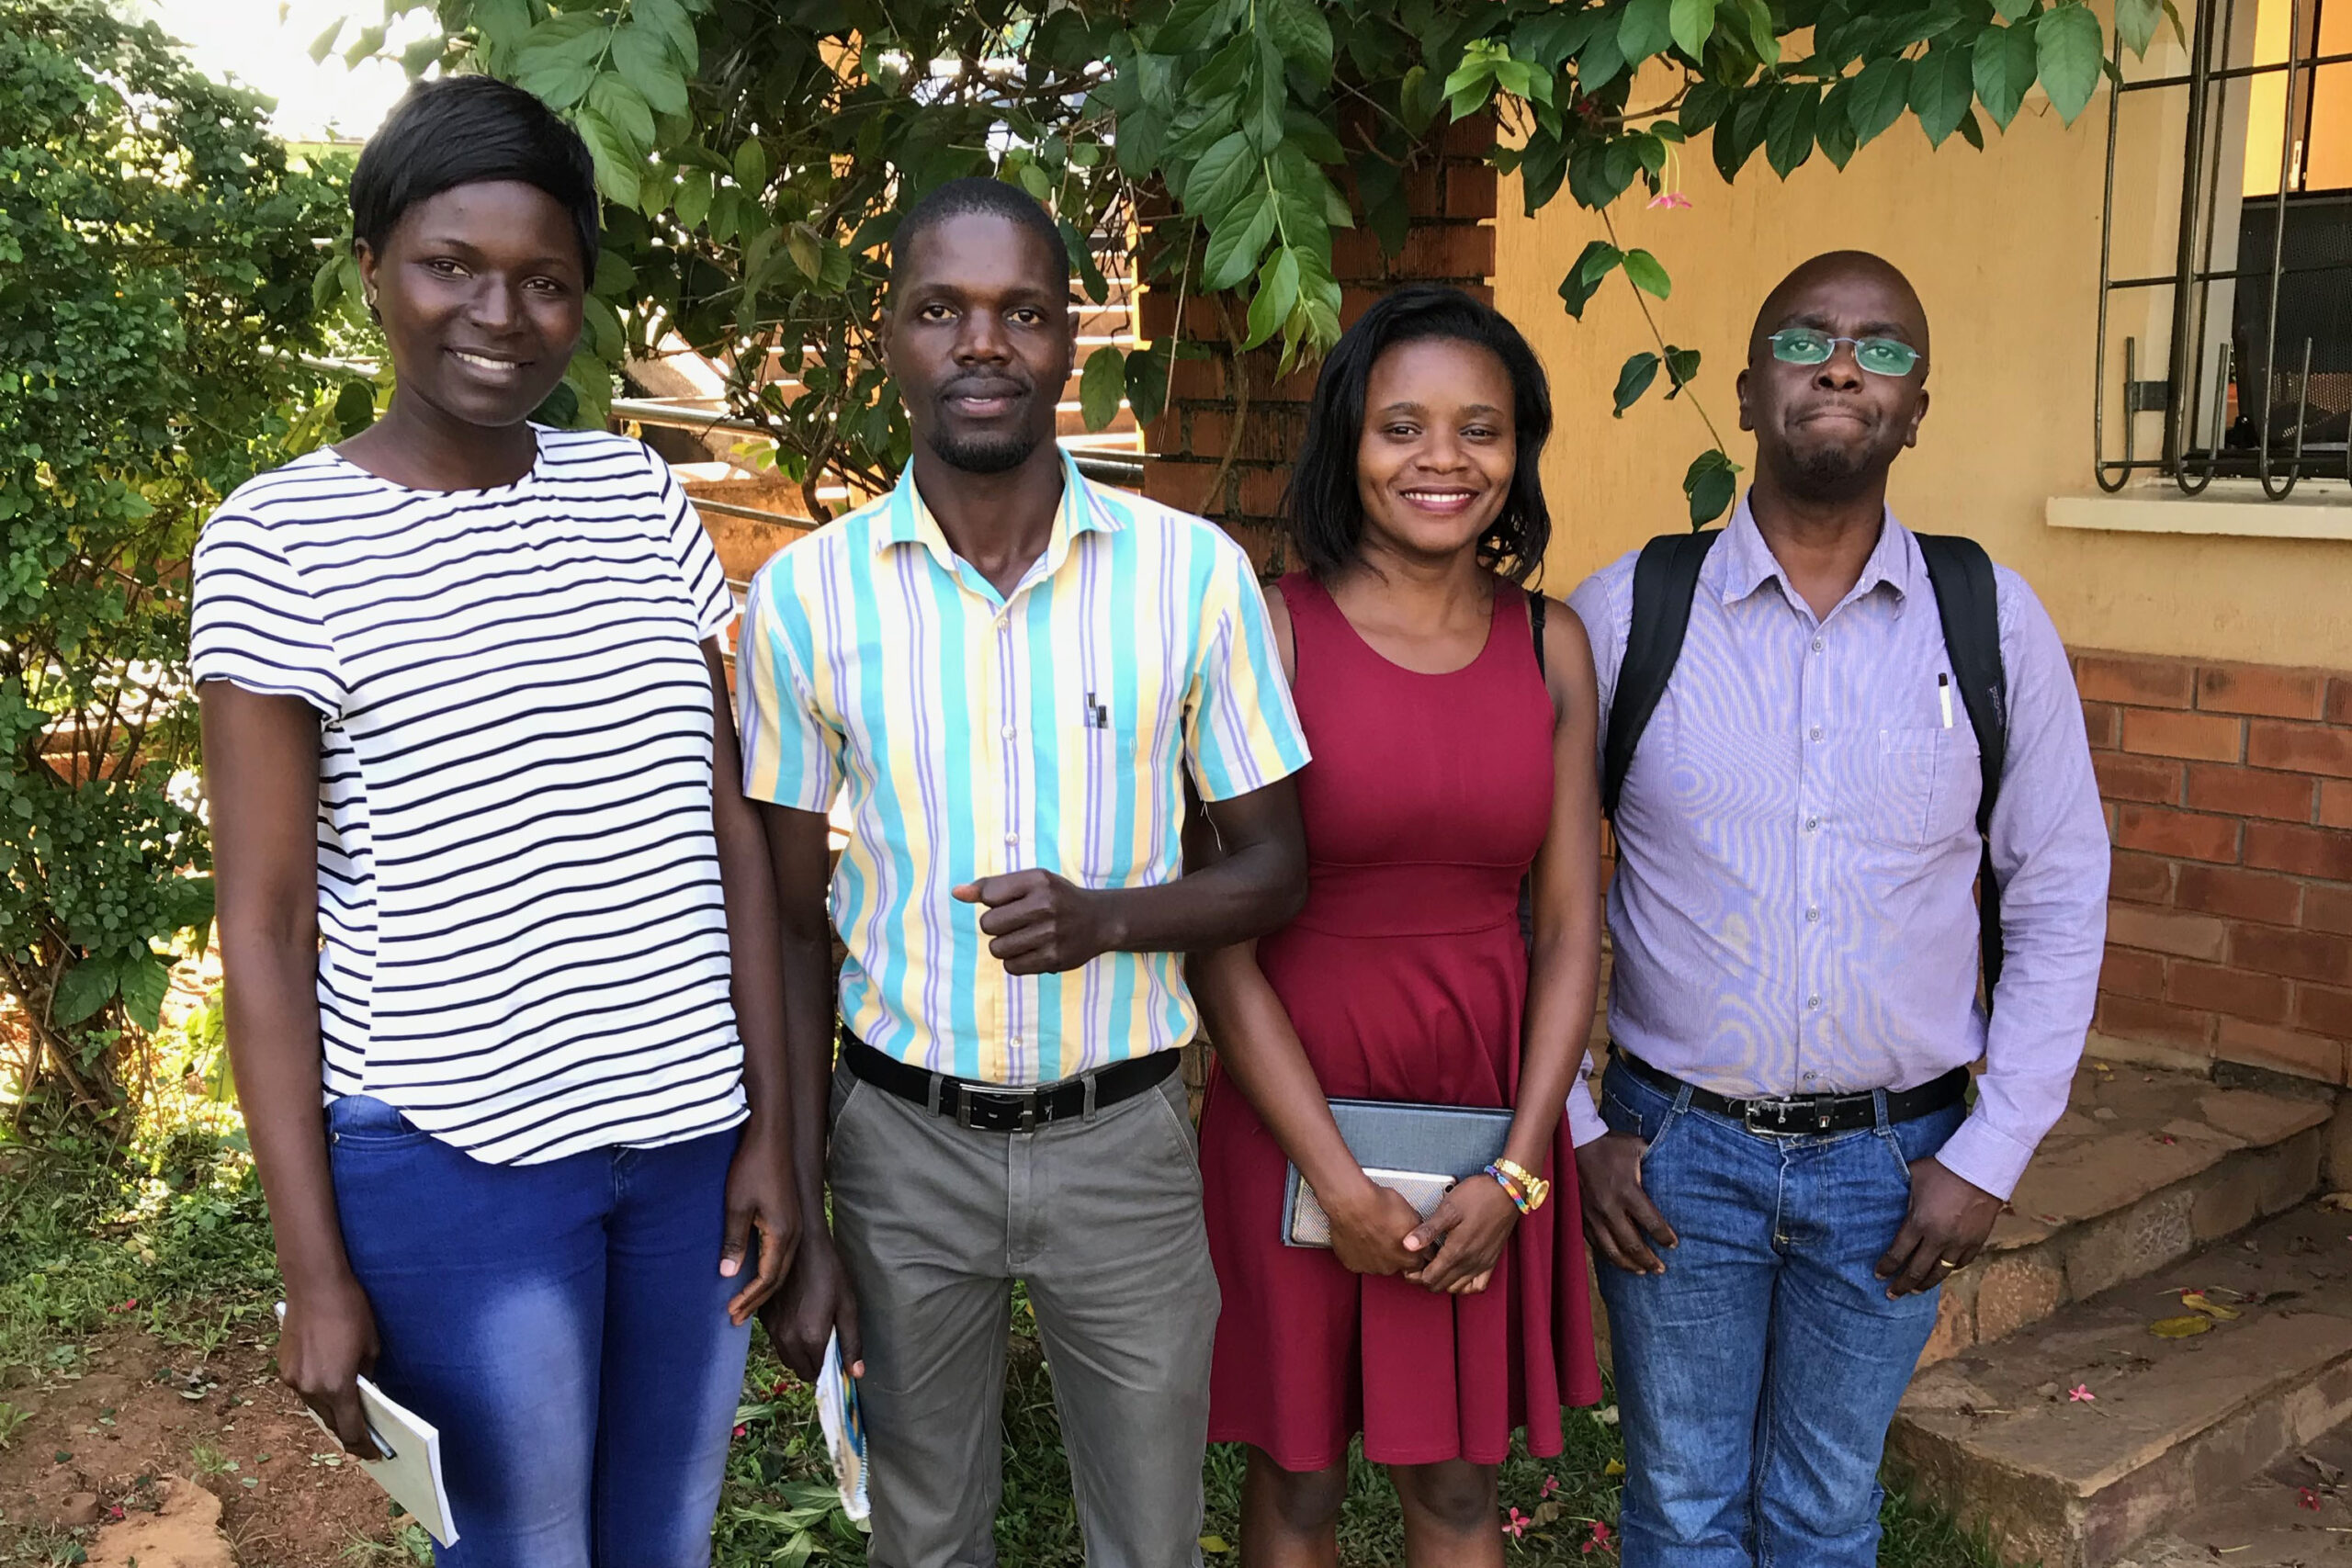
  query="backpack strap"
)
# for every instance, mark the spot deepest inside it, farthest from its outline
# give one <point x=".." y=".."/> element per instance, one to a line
<point x="1968" y="603"/>
<point x="1664" y="579"/>
<point x="1536" y="604"/>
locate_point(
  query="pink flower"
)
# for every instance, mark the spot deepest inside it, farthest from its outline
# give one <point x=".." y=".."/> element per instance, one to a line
<point x="2307" y="1498"/>
<point x="1516" y="1526"/>
<point x="1599" y="1541"/>
<point x="741" y="1430"/>
<point x="2080" y="1394"/>
<point x="1551" y="1484"/>
<point x="1670" y="199"/>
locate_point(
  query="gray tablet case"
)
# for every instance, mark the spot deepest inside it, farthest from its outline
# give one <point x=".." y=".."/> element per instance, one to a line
<point x="1441" y="1140"/>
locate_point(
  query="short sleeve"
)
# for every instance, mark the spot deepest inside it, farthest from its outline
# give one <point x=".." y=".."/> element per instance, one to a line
<point x="1242" y="732"/>
<point x="690" y="546"/>
<point x="791" y="755"/>
<point x="253" y="620"/>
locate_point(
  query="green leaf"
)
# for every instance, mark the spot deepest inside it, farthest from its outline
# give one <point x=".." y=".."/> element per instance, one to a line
<point x="1262" y="120"/>
<point x="806" y="251"/>
<point x="559" y="59"/>
<point x="324" y="45"/>
<point x="1303" y="37"/>
<point x="1556" y="35"/>
<point x="1711" y="483"/>
<point x="503" y="23"/>
<point x="1943" y="83"/>
<point x="1704" y="106"/>
<point x="1761" y="34"/>
<point x="2068" y="45"/>
<point x="2010" y="10"/>
<point x="1648" y="28"/>
<point x="355" y="408"/>
<point x="751" y="165"/>
<point x="1235" y="243"/>
<point x="146" y="981"/>
<point x="82" y="990"/>
<point x="2135" y="23"/>
<point x="370" y="41"/>
<point x="1227" y="69"/>
<point x="1647" y="275"/>
<point x="1277" y="294"/>
<point x="1633" y="380"/>
<point x="1101" y="386"/>
<point x="623" y="108"/>
<point x="1681" y="365"/>
<point x="1224" y="175"/>
<point x="671" y="20"/>
<point x="1833" y="127"/>
<point x="1880" y="94"/>
<point x="617" y="160"/>
<point x="1694" y="22"/>
<point x="2005" y="69"/>
<point x="1788" y="132"/>
<point x="1195" y="24"/>
<point x="642" y="56"/>
<point x="692" y="205"/>
<point x="1602" y="60"/>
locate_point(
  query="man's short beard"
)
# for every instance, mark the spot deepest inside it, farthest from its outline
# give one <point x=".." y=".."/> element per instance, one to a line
<point x="1829" y="473"/>
<point x="992" y="454"/>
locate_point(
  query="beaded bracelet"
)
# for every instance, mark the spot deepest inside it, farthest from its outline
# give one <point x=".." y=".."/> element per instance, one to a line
<point x="1511" y="1189"/>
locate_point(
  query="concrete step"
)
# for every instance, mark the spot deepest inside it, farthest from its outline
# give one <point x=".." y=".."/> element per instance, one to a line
<point x="2170" y="1426"/>
<point x="2297" y="1514"/>
<point x="2145" y="1166"/>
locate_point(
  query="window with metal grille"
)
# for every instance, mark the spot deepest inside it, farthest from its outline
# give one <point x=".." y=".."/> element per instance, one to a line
<point x="2235" y="359"/>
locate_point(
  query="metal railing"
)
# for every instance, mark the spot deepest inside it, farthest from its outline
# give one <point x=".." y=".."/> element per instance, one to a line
<point x="2256" y="443"/>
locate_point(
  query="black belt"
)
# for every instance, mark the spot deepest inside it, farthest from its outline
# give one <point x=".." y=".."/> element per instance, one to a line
<point x="1798" y="1114"/>
<point x="994" y="1108"/>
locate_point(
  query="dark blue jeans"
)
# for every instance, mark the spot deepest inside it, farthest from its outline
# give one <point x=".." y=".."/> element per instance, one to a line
<point x="1756" y="1376"/>
<point x="565" y="1326"/>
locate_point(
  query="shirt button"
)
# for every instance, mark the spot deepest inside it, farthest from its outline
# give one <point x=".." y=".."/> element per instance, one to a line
<point x="1816" y="648"/>
<point x="1814" y="733"/>
<point x="1814" y="1003"/>
<point x="1812" y="917"/>
<point x="1812" y="823"/>
<point x="1012" y="838"/>
<point x="1010" y="732"/>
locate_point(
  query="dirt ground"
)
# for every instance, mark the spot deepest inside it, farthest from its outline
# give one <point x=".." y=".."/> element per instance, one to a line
<point x="96" y="1446"/>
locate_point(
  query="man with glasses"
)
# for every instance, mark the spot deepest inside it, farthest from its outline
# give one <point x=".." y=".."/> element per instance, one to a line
<point x="1785" y="1162"/>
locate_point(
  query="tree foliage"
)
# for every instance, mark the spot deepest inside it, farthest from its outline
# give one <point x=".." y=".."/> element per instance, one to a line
<point x="156" y="264"/>
<point x="751" y="152"/>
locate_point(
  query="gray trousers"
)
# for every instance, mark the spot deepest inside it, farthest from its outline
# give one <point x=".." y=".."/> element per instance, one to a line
<point x="1101" y="1219"/>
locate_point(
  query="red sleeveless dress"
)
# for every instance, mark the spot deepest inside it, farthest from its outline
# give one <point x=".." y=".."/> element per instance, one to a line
<point x="1405" y="977"/>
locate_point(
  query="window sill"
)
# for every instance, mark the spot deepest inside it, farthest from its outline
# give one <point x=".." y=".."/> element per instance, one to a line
<point x="2230" y="508"/>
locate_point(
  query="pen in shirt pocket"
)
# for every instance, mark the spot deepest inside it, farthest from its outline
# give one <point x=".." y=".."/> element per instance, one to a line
<point x="1095" y="716"/>
<point x="1943" y="697"/>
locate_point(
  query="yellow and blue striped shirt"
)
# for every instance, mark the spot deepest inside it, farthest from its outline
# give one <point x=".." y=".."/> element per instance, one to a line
<point x="975" y="733"/>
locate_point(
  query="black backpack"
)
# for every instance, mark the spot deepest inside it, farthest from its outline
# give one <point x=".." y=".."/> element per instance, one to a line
<point x="1666" y="578"/>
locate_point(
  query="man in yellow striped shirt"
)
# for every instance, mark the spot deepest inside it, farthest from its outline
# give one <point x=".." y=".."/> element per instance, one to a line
<point x="1008" y="674"/>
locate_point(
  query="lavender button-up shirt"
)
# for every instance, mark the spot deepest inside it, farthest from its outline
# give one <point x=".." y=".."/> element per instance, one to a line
<point x="1793" y="911"/>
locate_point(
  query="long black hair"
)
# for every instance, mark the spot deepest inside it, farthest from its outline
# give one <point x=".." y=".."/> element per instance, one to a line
<point x="1322" y="509"/>
<point x="465" y="130"/>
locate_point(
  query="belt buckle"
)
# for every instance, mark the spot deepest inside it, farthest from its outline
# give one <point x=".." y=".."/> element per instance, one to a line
<point x="1026" y="1099"/>
<point x="1752" y="1111"/>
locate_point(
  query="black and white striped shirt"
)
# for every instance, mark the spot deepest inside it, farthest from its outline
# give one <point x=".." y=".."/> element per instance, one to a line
<point x="523" y="945"/>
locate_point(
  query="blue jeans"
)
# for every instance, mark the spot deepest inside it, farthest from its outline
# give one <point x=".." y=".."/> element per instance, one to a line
<point x="1756" y="1376"/>
<point x="564" y="1326"/>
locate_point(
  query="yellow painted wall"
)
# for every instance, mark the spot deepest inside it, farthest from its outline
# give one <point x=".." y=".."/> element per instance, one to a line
<point x="2003" y="246"/>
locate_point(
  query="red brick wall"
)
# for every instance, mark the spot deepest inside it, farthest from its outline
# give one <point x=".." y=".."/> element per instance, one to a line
<point x="1451" y="239"/>
<point x="2229" y="797"/>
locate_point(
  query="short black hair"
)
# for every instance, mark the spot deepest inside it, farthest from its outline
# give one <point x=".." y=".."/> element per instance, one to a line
<point x="977" y="193"/>
<point x="1323" y="511"/>
<point x="466" y="131"/>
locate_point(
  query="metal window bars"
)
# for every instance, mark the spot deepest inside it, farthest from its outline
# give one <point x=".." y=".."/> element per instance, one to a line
<point x="2285" y="427"/>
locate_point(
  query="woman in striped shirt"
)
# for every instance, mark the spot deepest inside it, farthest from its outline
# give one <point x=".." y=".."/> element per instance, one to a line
<point x="479" y="841"/>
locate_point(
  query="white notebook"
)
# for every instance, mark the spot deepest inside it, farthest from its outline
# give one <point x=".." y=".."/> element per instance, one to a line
<point x="844" y="1427"/>
<point x="411" y="1475"/>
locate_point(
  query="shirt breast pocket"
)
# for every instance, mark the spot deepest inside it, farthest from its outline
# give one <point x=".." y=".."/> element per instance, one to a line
<point x="1924" y="787"/>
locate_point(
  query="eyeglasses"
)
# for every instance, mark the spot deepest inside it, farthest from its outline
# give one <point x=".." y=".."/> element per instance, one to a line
<point x="1879" y="356"/>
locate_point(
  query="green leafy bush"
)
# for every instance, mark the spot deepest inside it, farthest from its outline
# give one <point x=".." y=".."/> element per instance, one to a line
<point x="156" y="260"/>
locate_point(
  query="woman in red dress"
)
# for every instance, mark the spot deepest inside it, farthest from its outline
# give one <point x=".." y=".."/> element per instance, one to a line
<point x="1449" y="762"/>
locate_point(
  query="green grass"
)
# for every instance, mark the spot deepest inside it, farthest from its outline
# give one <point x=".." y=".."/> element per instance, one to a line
<point x="169" y="1233"/>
